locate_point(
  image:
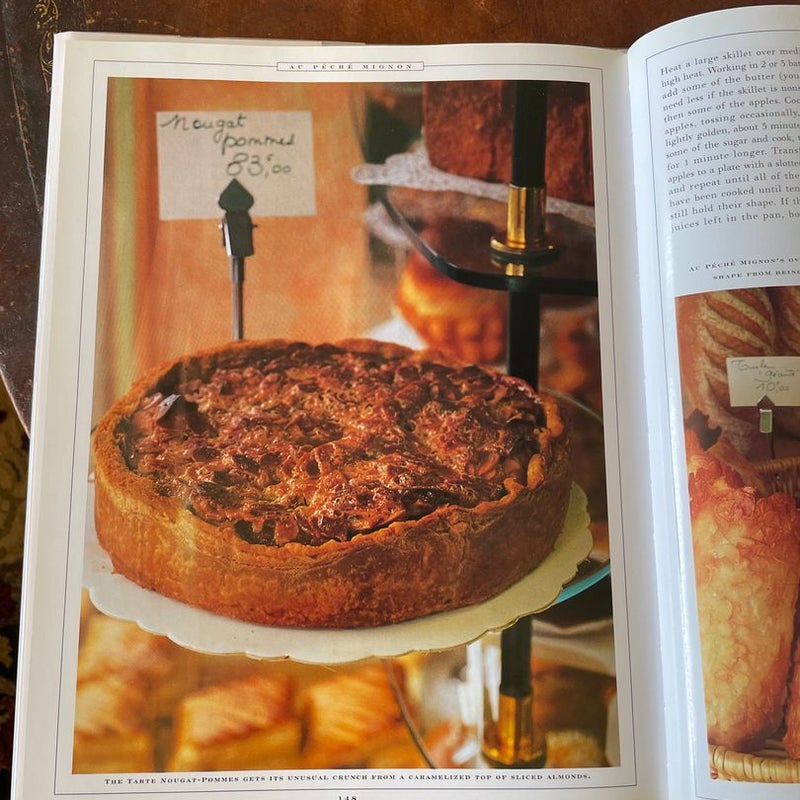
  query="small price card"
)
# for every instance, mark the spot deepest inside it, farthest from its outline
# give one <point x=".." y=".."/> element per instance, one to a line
<point x="269" y="152"/>
<point x="751" y="379"/>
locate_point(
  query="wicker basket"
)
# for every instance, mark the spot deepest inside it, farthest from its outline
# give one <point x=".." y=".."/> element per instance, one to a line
<point x="771" y="765"/>
<point x="782" y="475"/>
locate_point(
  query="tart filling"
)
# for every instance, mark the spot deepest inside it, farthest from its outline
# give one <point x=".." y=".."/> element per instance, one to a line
<point x="307" y="444"/>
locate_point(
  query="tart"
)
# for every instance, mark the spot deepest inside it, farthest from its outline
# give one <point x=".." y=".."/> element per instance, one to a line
<point x="329" y="486"/>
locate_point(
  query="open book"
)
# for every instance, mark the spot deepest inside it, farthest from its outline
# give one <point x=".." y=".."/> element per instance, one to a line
<point x="418" y="419"/>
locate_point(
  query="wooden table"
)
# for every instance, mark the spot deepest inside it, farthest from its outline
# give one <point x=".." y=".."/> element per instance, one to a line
<point x="26" y="32"/>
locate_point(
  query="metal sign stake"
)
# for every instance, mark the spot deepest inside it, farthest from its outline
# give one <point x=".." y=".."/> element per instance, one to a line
<point x="237" y="238"/>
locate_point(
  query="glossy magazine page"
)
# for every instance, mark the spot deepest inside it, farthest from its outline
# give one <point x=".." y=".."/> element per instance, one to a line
<point x="719" y="121"/>
<point x="330" y="491"/>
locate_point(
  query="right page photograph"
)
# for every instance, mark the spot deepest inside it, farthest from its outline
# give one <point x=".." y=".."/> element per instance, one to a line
<point x="719" y="215"/>
<point x="738" y="354"/>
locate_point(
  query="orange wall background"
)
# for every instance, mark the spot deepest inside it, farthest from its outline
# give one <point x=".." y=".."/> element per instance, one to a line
<point x="165" y="286"/>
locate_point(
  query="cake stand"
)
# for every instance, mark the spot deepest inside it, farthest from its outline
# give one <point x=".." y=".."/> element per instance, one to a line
<point x="563" y="573"/>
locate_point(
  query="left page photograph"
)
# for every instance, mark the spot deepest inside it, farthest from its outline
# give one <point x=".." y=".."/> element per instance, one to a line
<point x="334" y="485"/>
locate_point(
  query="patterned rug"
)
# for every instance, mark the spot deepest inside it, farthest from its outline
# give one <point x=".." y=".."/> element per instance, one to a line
<point x="13" y="483"/>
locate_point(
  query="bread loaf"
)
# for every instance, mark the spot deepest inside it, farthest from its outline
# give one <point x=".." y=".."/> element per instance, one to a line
<point x="712" y="327"/>
<point x="747" y="561"/>
<point x="468" y="130"/>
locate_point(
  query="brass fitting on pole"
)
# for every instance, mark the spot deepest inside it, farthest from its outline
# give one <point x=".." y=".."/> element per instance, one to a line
<point x="512" y="740"/>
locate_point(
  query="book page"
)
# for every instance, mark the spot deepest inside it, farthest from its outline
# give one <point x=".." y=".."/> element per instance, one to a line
<point x="716" y="108"/>
<point x="282" y="537"/>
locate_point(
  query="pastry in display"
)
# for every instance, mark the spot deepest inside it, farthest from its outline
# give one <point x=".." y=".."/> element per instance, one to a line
<point x="121" y="648"/>
<point x="287" y="715"/>
<point x="791" y="722"/>
<point x="467" y="321"/>
<point x="244" y="724"/>
<point x="707" y="447"/>
<point x="468" y="130"/>
<point x="111" y="731"/>
<point x="125" y="676"/>
<point x="471" y="323"/>
<point x="786" y="302"/>
<point x="274" y="715"/>
<point x="350" y="717"/>
<point x="569" y="358"/>
<point x="747" y="561"/>
<point x="345" y="485"/>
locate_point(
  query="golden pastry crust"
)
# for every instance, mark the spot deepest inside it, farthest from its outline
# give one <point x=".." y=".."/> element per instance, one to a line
<point x="747" y="559"/>
<point x="350" y="717"/>
<point x="243" y="724"/>
<point x="448" y="557"/>
<point x="110" y="733"/>
<point x="791" y="721"/>
<point x="117" y="647"/>
<point x="786" y="302"/>
<point x="467" y="321"/>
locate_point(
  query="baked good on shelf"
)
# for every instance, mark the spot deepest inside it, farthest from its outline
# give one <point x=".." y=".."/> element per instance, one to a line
<point x="707" y="448"/>
<point x="467" y="321"/>
<point x="351" y="718"/>
<point x="124" y="678"/>
<point x="244" y="724"/>
<point x="468" y="130"/>
<point x="791" y="721"/>
<point x="111" y="733"/>
<point x="346" y="485"/>
<point x="570" y="350"/>
<point x="120" y="647"/>
<point x="786" y="301"/>
<point x="271" y="715"/>
<point x="471" y="323"/>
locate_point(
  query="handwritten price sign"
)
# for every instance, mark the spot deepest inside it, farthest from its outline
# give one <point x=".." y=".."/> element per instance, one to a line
<point x="269" y="152"/>
<point x="775" y="377"/>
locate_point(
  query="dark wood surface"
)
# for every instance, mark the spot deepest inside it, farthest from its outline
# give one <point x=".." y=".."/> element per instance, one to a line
<point x="26" y="31"/>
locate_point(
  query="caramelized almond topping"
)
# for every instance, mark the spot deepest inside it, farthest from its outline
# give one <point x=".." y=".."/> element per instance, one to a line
<point x="308" y="443"/>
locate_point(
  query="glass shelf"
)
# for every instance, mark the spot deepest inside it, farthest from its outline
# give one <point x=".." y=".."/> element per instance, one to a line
<point x="572" y="269"/>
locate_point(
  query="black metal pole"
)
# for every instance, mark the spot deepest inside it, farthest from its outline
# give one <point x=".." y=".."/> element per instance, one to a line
<point x="523" y="362"/>
<point x="512" y="740"/>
